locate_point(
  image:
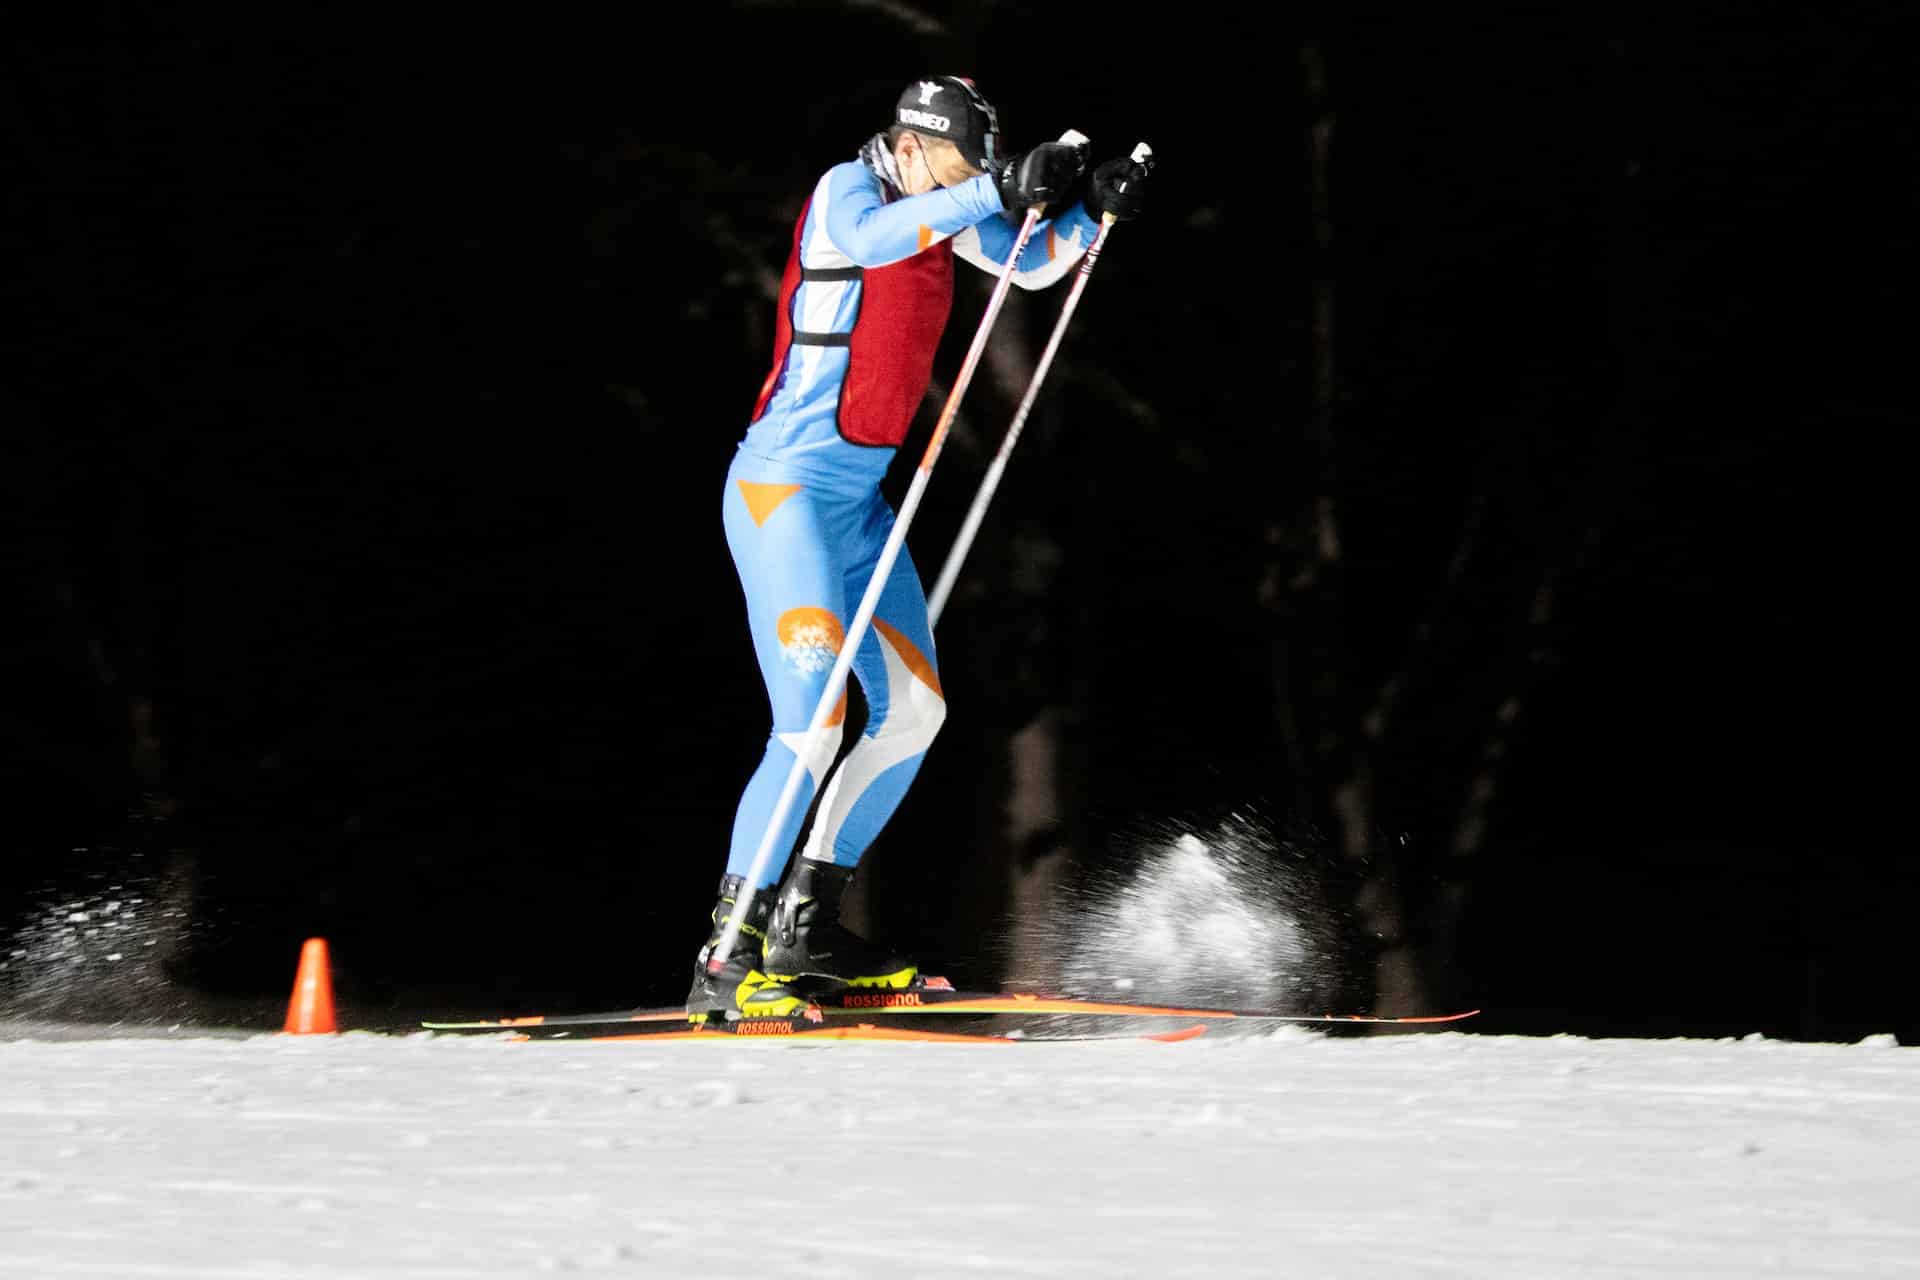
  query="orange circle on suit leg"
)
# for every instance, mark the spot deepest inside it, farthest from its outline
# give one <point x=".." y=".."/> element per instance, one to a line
<point x="810" y="640"/>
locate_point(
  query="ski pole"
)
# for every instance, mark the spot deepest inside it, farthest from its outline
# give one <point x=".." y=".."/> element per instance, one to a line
<point x="837" y="678"/>
<point x="937" y="599"/>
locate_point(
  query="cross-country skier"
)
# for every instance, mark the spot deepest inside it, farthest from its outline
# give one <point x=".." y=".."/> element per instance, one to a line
<point x="865" y="297"/>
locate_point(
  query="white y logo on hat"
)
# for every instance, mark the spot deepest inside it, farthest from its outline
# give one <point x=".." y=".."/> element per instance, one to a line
<point x="927" y="89"/>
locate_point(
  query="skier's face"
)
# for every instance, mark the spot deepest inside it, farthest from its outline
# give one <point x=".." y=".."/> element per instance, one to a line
<point x="928" y="163"/>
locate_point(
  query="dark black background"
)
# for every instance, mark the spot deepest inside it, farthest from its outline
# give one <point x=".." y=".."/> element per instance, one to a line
<point x="376" y="377"/>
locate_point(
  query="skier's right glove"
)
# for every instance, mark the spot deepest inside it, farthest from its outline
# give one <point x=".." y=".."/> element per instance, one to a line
<point x="1037" y="177"/>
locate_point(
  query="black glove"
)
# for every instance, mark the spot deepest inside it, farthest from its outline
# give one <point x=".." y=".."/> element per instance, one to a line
<point x="1119" y="188"/>
<point x="1073" y="193"/>
<point x="1036" y="177"/>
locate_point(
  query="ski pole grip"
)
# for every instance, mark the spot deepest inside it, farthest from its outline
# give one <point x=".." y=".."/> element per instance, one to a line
<point x="1073" y="138"/>
<point x="1142" y="156"/>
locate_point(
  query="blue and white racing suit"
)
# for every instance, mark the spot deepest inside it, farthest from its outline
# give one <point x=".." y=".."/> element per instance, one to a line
<point x="863" y="303"/>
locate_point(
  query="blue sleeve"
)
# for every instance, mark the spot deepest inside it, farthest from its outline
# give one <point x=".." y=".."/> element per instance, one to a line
<point x="1075" y="227"/>
<point x="863" y="226"/>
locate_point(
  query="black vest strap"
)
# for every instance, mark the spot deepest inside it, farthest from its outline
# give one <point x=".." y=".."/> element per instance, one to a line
<point x="826" y="275"/>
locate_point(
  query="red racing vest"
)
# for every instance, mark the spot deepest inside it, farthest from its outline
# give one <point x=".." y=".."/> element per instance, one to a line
<point x="902" y="312"/>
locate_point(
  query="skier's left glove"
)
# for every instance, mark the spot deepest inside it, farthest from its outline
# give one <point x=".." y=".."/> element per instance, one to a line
<point x="1119" y="188"/>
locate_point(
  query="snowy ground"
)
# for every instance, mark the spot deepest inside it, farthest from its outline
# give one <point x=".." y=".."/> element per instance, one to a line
<point x="1297" y="1154"/>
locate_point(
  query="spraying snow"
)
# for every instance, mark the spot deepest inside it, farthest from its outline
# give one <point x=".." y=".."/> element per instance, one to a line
<point x="1232" y="916"/>
<point x="100" y="949"/>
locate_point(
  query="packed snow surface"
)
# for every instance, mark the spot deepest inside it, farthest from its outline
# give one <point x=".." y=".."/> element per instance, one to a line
<point x="1285" y="1153"/>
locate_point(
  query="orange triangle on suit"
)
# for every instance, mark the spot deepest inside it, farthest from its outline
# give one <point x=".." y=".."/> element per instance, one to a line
<point x="763" y="498"/>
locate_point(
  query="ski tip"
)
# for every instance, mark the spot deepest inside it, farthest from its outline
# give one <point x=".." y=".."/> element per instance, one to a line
<point x="1398" y="1019"/>
<point x="1184" y="1033"/>
<point x="1446" y="1017"/>
<point x="1437" y="1017"/>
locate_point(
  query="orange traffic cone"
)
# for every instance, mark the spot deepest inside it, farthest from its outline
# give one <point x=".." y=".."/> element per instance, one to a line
<point x="310" y="1012"/>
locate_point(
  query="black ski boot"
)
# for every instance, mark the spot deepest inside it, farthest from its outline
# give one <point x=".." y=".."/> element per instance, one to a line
<point x="807" y="945"/>
<point x="740" y="988"/>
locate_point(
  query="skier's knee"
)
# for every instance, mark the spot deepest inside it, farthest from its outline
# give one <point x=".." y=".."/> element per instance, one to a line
<point x="825" y="747"/>
<point x="916" y="704"/>
<point x="913" y="722"/>
<point x="931" y="715"/>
